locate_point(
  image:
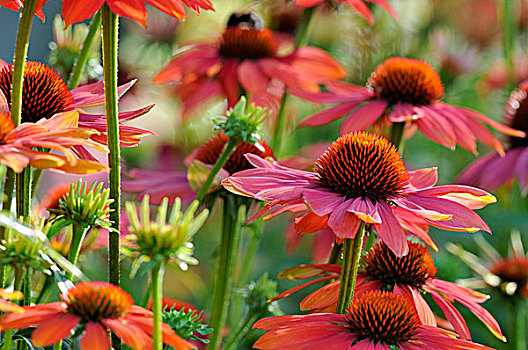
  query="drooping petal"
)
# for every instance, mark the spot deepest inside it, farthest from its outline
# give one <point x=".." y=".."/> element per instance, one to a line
<point x="343" y="223"/>
<point x="173" y="8"/>
<point x="74" y="11"/>
<point x="133" y="9"/>
<point x="365" y="210"/>
<point x="423" y="178"/>
<point x="52" y="330"/>
<point x="452" y="315"/>
<point x="94" y="337"/>
<point x="390" y="230"/>
<point x="322" y="201"/>
<point x="251" y="78"/>
<point x="130" y="334"/>
<point x="363" y="117"/>
<point x="329" y="115"/>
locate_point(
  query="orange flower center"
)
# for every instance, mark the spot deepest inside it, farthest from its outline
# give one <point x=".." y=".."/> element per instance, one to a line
<point x="250" y="44"/>
<point x="6" y="125"/>
<point x="382" y="317"/>
<point x="513" y="269"/>
<point x="516" y="114"/>
<point x="406" y="80"/>
<point x="210" y="152"/>
<point x="363" y="165"/>
<point x="413" y="269"/>
<point x="44" y="91"/>
<point x="94" y="301"/>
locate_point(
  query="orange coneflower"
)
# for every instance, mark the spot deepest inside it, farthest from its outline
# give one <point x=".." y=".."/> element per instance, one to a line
<point x="376" y="320"/>
<point x="185" y="185"/>
<point x="74" y="11"/>
<point x="46" y="94"/>
<point x="404" y="90"/>
<point x="362" y="178"/>
<point x="246" y="58"/>
<point x="91" y="309"/>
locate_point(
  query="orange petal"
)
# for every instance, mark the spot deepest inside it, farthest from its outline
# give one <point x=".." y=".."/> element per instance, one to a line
<point x="94" y="337"/>
<point x="54" y="329"/>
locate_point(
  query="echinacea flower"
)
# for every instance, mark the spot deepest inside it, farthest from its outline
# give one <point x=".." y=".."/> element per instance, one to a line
<point x="74" y="11"/>
<point x="45" y="94"/>
<point x="7" y="306"/>
<point x="376" y="320"/>
<point x="185" y="185"/>
<point x="508" y="275"/>
<point x="362" y="178"/>
<point x="359" y="6"/>
<point x="19" y="146"/>
<point x="491" y="170"/>
<point x="404" y="90"/>
<point x="409" y="276"/>
<point x="15" y="5"/>
<point x="246" y="59"/>
<point x="95" y="308"/>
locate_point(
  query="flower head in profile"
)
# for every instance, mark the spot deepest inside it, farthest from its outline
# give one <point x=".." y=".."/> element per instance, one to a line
<point x="409" y="276"/>
<point x="491" y="170"/>
<point x="45" y="94"/>
<point x="185" y="185"/>
<point x="404" y="90"/>
<point x="91" y="309"/>
<point x="362" y="178"/>
<point x="246" y="58"/>
<point x="19" y="146"/>
<point x="359" y="328"/>
<point x="74" y="11"/>
<point x="508" y="275"/>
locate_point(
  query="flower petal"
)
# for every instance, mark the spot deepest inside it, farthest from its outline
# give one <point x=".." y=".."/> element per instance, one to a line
<point x="52" y="330"/>
<point x="390" y="230"/>
<point x="94" y="337"/>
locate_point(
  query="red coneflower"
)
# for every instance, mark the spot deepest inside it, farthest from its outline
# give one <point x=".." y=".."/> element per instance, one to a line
<point x="361" y="177"/>
<point x="376" y="320"/>
<point x="407" y="276"/>
<point x="404" y="90"/>
<point x="45" y="94"/>
<point x="246" y="59"/>
<point x="357" y="5"/>
<point x="74" y="11"/>
<point x="491" y="171"/>
<point x="95" y="307"/>
<point x="174" y="184"/>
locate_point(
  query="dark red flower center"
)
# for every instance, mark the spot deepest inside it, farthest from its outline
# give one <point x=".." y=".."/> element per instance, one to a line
<point x="94" y="301"/>
<point x="250" y="44"/>
<point x="400" y="79"/>
<point x="413" y="269"/>
<point x="363" y="165"/>
<point x="44" y="91"/>
<point x="516" y="114"/>
<point x="513" y="269"/>
<point x="383" y="317"/>
<point x="210" y="152"/>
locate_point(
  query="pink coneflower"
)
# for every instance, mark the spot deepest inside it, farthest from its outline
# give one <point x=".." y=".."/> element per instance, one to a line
<point x="492" y="171"/>
<point x="361" y="177"/>
<point x="45" y="94"/>
<point x="408" y="276"/>
<point x="245" y="59"/>
<point x="376" y="320"/>
<point x="404" y="90"/>
<point x="359" y="6"/>
<point x="185" y="185"/>
<point x="97" y="307"/>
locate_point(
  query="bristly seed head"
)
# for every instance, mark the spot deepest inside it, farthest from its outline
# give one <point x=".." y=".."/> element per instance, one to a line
<point x="516" y="114"/>
<point x="382" y="317"/>
<point x="413" y="269"/>
<point x="211" y="151"/>
<point x="364" y="165"/>
<point x="250" y="44"/>
<point x="95" y="301"/>
<point x="44" y="91"/>
<point x="400" y="79"/>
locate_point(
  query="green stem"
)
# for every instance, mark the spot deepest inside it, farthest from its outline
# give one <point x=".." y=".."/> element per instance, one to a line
<point x="110" y="37"/>
<point x="27" y="287"/>
<point x="335" y="254"/>
<point x="301" y="39"/>
<point x="23" y="193"/>
<point x="520" y="326"/>
<point x="78" y="234"/>
<point x="224" y="277"/>
<point x="9" y="186"/>
<point x="8" y="340"/>
<point x="157" y="293"/>
<point x="224" y="157"/>
<point x="396" y="136"/>
<point x="351" y="258"/>
<point x="509" y="36"/>
<point x="78" y="67"/>
<point x="19" y="60"/>
<point x="241" y="331"/>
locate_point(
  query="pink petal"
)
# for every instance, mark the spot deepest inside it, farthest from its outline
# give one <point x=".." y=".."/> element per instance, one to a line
<point x="363" y="117"/>
<point x="251" y="78"/>
<point x="365" y="210"/>
<point x="343" y="223"/>
<point x="423" y="178"/>
<point x="321" y="201"/>
<point x="390" y="230"/>
<point x="328" y="115"/>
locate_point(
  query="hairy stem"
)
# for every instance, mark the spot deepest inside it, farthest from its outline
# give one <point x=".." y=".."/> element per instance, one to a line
<point x="509" y="36"/>
<point x="78" y="234"/>
<point x="157" y="293"/>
